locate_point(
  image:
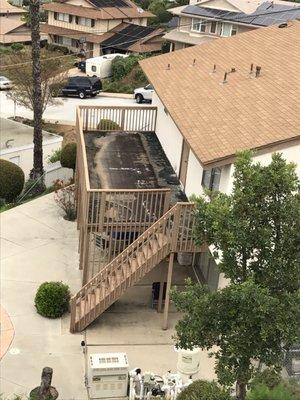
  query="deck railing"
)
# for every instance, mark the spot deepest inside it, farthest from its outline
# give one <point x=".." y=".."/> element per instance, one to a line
<point x="127" y="119"/>
<point x="115" y="216"/>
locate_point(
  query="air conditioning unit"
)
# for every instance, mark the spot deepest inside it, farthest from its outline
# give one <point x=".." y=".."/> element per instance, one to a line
<point x="108" y="375"/>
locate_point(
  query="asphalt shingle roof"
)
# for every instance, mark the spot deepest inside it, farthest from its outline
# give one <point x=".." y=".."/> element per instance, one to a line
<point x="218" y="119"/>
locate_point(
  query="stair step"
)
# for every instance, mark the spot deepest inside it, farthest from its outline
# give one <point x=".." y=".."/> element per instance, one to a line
<point x="154" y="246"/>
<point x="147" y="251"/>
<point x="162" y="239"/>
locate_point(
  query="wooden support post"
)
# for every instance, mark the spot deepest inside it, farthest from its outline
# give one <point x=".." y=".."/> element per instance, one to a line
<point x="161" y="291"/>
<point x="167" y="300"/>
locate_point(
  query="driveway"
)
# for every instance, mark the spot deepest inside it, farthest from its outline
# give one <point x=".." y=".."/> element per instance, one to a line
<point x="65" y="110"/>
<point x="38" y="245"/>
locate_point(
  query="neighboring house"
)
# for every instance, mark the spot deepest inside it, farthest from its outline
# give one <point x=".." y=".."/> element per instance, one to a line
<point x="207" y="20"/>
<point x="12" y="25"/>
<point x="16" y="145"/>
<point x="100" y="27"/>
<point x="210" y="102"/>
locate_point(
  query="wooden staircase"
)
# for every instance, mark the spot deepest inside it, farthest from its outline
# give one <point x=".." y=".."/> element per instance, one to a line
<point x="169" y="234"/>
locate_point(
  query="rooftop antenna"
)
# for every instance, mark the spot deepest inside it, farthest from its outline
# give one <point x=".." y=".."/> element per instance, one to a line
<point x="257" y="71"/>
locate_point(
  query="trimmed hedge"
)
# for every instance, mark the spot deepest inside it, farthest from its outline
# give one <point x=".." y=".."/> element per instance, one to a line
<point x="52" y="299"/>
<point x="108" y="125"/>
<point x="68" y="156"/>
<point x="204" y="390"/>
<point x="11" y="181"/>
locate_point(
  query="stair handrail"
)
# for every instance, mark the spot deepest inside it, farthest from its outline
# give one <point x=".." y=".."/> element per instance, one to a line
<point x="132" y="246"/>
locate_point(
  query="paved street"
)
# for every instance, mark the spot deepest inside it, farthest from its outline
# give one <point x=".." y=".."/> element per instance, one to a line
<point x="65" y="111"/>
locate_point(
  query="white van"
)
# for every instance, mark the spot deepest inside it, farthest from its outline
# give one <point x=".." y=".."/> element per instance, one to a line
<point x="101" y="66"/>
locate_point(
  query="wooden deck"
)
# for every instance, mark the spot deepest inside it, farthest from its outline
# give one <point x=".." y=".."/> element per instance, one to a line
<point x="124" y="232"/>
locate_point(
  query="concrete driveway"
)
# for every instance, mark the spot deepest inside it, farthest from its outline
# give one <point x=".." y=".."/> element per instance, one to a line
<point x="38" y="245"/>
<point x="65" y="111"/>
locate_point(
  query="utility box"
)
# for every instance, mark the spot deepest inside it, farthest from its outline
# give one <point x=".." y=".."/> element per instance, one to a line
<point x="108" y="375"/>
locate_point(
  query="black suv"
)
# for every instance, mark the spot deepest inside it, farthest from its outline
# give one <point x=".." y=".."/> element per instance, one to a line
<point x="82" y="86"/>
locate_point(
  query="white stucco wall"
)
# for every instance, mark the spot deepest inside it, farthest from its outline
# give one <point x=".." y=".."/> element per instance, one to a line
<point x="23" y="156"/>
<point x="168" y="134"/>
<point x="194" y="176"/>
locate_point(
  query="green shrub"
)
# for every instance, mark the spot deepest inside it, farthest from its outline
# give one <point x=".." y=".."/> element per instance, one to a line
<point x="11" y="180"/>
<point x="17" y="46"/>
<point x="262" y="392"/>
<point x="55" y="156"/>
<point x="204" y="390"/>
<point x="269" y="377"/>
<point x="108" y="125"/>
<point x="68" y="156"/>
<point x="121" y="66"/>
<point x="52" y="299"/>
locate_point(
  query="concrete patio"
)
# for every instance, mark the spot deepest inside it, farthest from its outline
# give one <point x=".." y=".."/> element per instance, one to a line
<point x="38" y="245"/>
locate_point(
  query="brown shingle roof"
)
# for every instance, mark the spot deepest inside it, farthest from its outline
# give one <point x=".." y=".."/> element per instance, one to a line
<point x="220" y="119"/>
<point x="97" y="13"/>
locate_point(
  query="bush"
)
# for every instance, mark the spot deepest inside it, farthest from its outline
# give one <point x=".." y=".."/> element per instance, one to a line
<point x="52" y="299"/>
<point x="269" y="377"/>
<point x="55" y="156"/>
<point x="11" y="180"/>
<point x="262" y="392"/>
<point x="108" y="125"/>
<point x="17" y="46"/>
<point x="204" y="390"/>
<point x="68" y="156"/>
<point x="122" y="66"/>
<point x="65" y="198"/>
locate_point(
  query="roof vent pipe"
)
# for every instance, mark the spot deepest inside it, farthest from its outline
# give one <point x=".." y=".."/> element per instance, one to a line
<point x="215" y="68"/>
<point x="257" y="71"/>
<point x="225" y="78"/>
<point x="169" y="66"/>
<point x="251" y="68"/>
<point x="194" y="62"/>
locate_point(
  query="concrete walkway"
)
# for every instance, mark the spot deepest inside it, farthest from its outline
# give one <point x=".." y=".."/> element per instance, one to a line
<point x="38" y="245"/>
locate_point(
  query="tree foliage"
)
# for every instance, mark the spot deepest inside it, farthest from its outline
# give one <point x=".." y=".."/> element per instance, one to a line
<point x="255" y="236"/>
<point x="244" y="320"/>
<point x="255" y="231"/>
<point x="53" y="77"/>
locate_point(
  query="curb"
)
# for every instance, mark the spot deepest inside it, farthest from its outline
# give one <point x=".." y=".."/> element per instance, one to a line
<point x="116" y="95"/>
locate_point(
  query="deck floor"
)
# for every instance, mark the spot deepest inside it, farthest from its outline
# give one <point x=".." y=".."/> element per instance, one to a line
<point x="123" y="160"/>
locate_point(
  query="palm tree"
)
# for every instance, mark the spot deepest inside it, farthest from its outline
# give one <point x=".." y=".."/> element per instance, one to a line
<point x="34" y="17"/>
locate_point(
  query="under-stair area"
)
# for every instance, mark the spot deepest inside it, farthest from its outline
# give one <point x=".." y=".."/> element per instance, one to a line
<point x="171" y="233"/>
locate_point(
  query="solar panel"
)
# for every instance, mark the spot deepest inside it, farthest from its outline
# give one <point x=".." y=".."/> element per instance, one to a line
<point x="127" y="36"/>
<point x="109" y="3"/>
<point x="266" y="14"/>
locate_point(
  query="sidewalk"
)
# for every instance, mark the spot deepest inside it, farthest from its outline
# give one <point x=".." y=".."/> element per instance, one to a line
<point x="38" y="245"/>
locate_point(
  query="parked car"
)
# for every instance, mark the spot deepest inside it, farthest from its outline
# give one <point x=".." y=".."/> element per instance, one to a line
<point x="82" y="86"/>
<point x="5" y="83"/>
<point x="144" y="94"/>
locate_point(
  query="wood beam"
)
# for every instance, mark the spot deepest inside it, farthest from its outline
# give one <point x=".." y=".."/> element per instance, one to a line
<point x="167" y="300"/>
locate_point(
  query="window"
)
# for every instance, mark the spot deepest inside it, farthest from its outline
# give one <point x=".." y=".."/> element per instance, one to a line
<point x="198" y="25"/>
<point x="94" y="69"/>
<point x="211" y="178"/>
<point x="213" y="27"/>
<point x="228" y="30"/>
<point x="63" y="17"/>
<point x="234" y="30"/>
<point x="85" y="21"/>
<point x="207" y="270"/>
